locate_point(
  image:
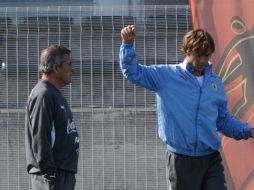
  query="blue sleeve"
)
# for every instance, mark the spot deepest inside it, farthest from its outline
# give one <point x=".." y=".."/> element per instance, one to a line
<point x="230" y="126"/>
<point x="145" y="76"/>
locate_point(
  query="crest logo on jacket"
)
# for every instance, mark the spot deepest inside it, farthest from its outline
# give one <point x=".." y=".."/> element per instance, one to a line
<point x="214" y="86"/>
<point x="71" y="128"/>
<point x="63" y="108"/>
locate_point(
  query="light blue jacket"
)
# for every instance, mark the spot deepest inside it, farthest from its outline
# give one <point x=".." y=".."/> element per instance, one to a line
<point x="189" y="116"/>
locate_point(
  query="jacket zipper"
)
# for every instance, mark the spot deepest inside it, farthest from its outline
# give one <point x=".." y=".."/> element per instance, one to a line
<point x="198" y="106"/>
<point x="196" y="119"/>
<point x="197" y="110"/>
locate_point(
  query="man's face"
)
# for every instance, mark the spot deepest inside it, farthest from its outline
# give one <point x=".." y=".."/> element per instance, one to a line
<point x="198" y="62"/>
<point x="64" y="73"/>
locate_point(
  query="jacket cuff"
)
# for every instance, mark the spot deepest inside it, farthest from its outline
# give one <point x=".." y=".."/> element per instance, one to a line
<point x="127" y="44"/>
<point x="50" y="171"/>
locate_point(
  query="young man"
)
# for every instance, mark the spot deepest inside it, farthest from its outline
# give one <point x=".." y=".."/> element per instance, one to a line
<point x="51" y="138"/>
<point x="191" y="108"/>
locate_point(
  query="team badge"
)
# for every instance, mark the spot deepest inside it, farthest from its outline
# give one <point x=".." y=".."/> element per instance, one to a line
<point x="214" y="86"/>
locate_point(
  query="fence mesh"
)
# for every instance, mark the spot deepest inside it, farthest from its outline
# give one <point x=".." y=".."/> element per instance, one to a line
<point x="116" y="120"/>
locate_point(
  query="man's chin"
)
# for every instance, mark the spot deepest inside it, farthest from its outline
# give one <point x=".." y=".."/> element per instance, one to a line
<point x="67" y="83"/>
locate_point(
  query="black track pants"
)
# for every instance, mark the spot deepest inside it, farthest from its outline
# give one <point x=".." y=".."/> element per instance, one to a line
<point x="195" y="173"/>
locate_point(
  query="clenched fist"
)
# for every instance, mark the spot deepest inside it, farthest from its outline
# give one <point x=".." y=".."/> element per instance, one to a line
<point x="128" y="34"/>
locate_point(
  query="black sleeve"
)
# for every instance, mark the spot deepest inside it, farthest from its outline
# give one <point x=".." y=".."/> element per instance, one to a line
<point x="41" y="116"/>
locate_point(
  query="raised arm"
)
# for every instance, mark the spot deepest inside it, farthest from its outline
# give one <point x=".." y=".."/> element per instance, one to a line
<point x="145" y="76"/>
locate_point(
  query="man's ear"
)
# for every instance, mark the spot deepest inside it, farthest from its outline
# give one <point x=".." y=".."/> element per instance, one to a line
<point x="55" y="68"/>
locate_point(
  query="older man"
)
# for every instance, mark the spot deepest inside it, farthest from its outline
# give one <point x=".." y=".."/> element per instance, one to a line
<point x="52" y="142"/>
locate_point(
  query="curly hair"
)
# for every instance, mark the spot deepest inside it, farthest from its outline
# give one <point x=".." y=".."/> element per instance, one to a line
<point x="199" y="42"/>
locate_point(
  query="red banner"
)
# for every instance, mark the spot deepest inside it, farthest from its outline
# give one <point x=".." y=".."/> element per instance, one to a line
<point x="231" y="23"/>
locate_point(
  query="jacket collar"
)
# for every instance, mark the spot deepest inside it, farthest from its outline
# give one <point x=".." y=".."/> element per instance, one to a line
<point x="188" y="67"/>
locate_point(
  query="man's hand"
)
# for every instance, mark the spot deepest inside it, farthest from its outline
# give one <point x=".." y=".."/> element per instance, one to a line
<point x="128" y="34"/>
<point x="252" y="132"/>
<point x="51" y="180"/>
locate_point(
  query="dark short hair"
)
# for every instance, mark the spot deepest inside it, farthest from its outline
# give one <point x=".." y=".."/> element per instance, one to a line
<point x="199" y="42"/>
<point x="52" y="55"/>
